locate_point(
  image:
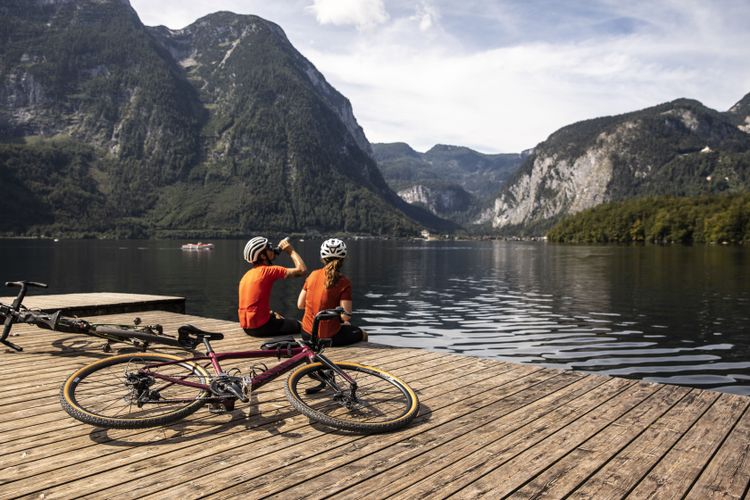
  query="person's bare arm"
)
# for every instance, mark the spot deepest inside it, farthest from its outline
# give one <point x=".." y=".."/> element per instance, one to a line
<point x="301" y="299"/>
<point x="347" y="305"/>
<point x="299" y="265"/>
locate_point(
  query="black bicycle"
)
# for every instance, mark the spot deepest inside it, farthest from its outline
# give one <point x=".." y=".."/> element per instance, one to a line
<point x="138" y="335"/>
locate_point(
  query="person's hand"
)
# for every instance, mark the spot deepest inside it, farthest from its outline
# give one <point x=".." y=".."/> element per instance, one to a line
<point x="285" y="246"/>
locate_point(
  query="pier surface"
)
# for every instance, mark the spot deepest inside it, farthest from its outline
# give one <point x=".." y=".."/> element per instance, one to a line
<point x="94" y="304"/>
<point x="485" y="428"/>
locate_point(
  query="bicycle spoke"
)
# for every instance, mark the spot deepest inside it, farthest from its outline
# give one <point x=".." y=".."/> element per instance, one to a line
<point x="377" y="401"/>
<point x="119" y="390"/>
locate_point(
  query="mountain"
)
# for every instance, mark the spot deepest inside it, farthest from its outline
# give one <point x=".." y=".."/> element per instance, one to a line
<point x="678" y="148"/>
<point x="740" y="114"/>
<point x="221" y="128"/>
<point x="450" y="181"/>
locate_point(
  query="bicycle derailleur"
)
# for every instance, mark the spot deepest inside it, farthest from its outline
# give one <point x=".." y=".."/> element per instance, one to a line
<point x="140" y="388"/>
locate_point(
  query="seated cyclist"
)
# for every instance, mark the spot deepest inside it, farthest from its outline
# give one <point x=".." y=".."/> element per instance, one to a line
<point x="255" y="314"/>
<point x="327" y="288"/>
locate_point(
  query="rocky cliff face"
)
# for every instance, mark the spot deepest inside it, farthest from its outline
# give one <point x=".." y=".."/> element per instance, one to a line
<point x="669" y="149"/>
<point x="220" y="128"/>
<point x="445" y="201"/>
<point x="88" y="71"/>
<point x="740" y="114"/>
<point x="450" y="181"/>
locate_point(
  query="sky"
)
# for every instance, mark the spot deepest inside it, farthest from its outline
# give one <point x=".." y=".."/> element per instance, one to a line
<point x="500" y="76"/>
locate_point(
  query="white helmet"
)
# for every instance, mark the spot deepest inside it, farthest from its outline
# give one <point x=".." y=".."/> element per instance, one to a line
<point x="254" y="247"/>
<point x="333" y="248"/>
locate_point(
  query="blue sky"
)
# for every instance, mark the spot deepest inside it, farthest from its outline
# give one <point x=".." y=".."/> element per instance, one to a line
<point x="501" y="76"/>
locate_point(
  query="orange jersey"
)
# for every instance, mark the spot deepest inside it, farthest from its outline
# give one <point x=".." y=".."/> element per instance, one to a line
<point x="255" y="295"/>
<point x="319" y="297"/>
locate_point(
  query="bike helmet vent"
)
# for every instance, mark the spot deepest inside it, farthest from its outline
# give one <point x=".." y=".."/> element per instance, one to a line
<point x="254" y="247"/>
<point x="333" y="248"/>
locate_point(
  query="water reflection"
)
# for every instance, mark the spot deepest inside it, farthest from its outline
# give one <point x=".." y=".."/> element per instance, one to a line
<point x="673" y="315"/>
<point x="667" y="314"/>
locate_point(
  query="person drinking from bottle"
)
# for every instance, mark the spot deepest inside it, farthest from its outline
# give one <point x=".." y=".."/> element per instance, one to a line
<point x="255" y="314"/>
<point x="327" y="288"/>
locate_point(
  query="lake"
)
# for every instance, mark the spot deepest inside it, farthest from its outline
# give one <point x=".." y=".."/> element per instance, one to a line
<point x="667" y="314"/>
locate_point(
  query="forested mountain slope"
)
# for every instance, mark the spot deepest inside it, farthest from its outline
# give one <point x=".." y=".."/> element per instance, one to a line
<point x="450" y="181"/>
<point x="221" y="128"/>
<point x="679" y="148"/>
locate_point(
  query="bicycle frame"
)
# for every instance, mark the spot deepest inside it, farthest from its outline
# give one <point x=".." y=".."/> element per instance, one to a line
<point x="299" y="355"/>
<point x="305" y="352"/>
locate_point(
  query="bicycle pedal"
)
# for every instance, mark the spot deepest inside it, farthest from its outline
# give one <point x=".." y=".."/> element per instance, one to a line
<point x="216" y="409"/>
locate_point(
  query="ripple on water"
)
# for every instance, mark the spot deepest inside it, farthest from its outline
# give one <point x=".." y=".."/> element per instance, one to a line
<point x="498" y="321"/>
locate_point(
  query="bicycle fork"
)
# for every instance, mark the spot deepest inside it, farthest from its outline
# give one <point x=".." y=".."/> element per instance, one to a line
<point x="331" y="382"/>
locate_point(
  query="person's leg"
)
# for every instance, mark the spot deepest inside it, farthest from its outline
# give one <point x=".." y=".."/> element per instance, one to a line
<point x="270" y="329"/>
<point x="290" y="327"/>
<point x="348" y="335"/>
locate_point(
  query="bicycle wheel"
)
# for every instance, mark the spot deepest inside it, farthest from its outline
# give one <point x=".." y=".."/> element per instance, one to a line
<point x="380" y="403"/>
<point x="119" y="393"/>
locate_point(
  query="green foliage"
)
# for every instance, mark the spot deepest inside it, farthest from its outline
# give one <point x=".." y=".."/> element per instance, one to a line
<point x="48" y="184"/>
<point x="245" y="138"/>
<point x="442" y="166"/>
<point x="701" y="219"/>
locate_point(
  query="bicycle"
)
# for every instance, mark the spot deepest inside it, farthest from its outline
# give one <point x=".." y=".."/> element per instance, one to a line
<point x="133" y="391"/>
<point x="137" y="335"/>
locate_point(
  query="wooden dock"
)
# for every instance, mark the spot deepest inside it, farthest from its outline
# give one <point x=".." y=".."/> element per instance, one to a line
<point x="94" y="304"/>
<point x="486" y="428"/>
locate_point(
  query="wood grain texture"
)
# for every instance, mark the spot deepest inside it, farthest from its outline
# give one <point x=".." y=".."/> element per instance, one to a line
<point x="486" y="428"/>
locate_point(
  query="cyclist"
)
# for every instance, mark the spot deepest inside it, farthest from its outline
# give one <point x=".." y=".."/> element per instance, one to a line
<point x="327" y="288"/>
<point x="255" y="314"/>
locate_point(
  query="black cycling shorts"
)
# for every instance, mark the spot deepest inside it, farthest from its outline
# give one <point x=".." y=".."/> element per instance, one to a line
<point x="346" y="335"/>
<point x="275" y="326"/>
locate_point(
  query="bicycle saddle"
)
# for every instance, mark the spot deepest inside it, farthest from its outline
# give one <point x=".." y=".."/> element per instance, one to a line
<point x="186" y="330"/>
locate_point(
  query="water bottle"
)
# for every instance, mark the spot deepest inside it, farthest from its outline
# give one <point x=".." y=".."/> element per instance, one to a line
<point x="277" y="249"/>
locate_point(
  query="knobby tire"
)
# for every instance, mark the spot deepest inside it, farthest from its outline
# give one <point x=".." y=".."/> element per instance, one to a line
<point x="98" y="395"/>
<point x="385" y="403"/>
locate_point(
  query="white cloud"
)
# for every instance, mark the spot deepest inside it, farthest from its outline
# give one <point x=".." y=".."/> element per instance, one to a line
<point x="502" y="76"/>
<point x="427" y="15"/>
<point x="364" y="14"/>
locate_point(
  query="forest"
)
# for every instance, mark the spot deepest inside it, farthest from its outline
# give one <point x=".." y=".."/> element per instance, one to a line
<point x="718" y="218"/>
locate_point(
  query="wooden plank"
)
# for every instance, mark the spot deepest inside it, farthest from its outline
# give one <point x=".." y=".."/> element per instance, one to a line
<point x="572" y="470"/>
<point x="678" y="469"/>
<point x="728" y="473"/>
<point x="369" y="473"/>
<point x="417" y="366"/>
<point x="226" y="448"/>
<point x="486" y="428"/>
<point x="94" y="304"/>
<point x="81" y="455"/>
<point x="444" y="404"/>
<point x="625" y="470"/>
<point x="459" y="470"/>
<point x="630" y="414"/>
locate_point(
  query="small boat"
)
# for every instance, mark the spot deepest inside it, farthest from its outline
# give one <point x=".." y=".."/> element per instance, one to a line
<point x="197" y="246"/>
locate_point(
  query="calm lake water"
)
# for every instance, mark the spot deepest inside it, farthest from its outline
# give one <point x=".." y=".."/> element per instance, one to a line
<point x="668" y="314"/>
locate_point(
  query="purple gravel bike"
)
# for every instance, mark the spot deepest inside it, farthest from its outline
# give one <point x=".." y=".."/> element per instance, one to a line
<point x="131" y="391"/>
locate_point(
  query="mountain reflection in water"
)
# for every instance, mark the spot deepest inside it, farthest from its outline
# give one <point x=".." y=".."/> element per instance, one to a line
<point x="676" y="315"/>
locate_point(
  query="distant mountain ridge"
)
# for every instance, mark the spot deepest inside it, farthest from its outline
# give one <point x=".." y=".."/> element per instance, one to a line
<point x="678" y="148"/>
<point x="450" y="181"/>
<point x="221" y="128"/>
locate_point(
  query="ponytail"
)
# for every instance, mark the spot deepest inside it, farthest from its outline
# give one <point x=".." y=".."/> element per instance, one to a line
<point x="333" y="271"/>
